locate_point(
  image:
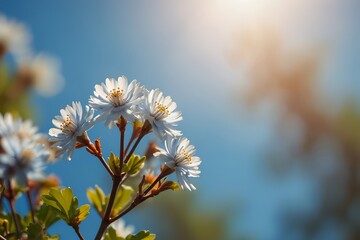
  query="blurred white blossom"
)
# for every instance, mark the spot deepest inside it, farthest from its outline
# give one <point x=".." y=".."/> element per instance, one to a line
<point x="42" y="73"/>
<point x="121" y="229"/>
<point x="14" y="38"/>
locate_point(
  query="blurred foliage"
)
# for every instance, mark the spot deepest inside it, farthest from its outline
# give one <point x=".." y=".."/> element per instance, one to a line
<point x="290" y="76"/>
<point x="186" y="220"/>
<point x="12" y="98"/>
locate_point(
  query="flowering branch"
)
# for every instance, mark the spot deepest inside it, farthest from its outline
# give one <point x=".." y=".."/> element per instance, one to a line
<point x="141" y="196"/>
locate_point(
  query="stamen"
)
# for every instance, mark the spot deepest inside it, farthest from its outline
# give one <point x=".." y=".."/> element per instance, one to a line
<point x="116" y="97"/>
<point x="162" y="110"/>
<point x="187" y="156"/>
<point x="65" y="125"/>
<point x="28" y="154"/>
<point x="115" y="93"/>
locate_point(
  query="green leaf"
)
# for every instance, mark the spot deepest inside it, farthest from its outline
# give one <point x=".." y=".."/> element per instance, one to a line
<point x="122" y="199"/>
<point x="114" y="163"/>
<point x="45" y="216"/>
<point x="134" y="165"/>
<point x="84" y="211"/>
<point x="55" y="237"/>
<point x="65" y="205"/>
<point x="97" y="199"/>
<point x="142" y="235"/>
<point x="35" y="232"/>
<point x="111" y="235"/>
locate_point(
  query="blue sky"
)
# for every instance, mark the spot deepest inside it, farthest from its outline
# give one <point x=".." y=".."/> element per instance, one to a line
<point x="179" y="47"/>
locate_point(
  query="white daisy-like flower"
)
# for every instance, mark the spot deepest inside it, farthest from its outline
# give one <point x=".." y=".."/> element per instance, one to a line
<point x="160" y="112"/>
<point x="116" y="97"/>
<point x="14" y="38"/>
<point x="22" y="159"/>
<point x="121" y="229"/>
<point x="42" y="73"/>
<point x="71" y="124"/>
<point x="179" y="155"/>
<point x="25" y="130"/>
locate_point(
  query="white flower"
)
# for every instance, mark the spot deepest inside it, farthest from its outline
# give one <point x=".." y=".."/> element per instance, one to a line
<point x="116" y="97"/>
<point x="160" y="112"/>
<point x="71" y="124"/>
<point x="22" y="159"/>
<point x="122" y="230"/>
<point x="13" y="38"/>
<point x="179" y="154"/>
<point x="23" y="129"/>
<point x="41" y="72"/>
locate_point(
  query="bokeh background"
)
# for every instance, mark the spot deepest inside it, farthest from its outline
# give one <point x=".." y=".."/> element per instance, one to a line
<point x="270" y="95"/>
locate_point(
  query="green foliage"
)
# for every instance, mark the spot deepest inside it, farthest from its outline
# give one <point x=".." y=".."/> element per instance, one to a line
<point x="45" y="216"/>
<point x="122" y="199"/>
<point x="111" y="235"/>
<point x="142" y="235"/>
<point x="96" y="197"/>
<point x="114" y="164"/>
<point x="99" y="201"/>
<point x="35" y="232"/>
<point x="134" y="165"/>
<point x="65" y="205"/>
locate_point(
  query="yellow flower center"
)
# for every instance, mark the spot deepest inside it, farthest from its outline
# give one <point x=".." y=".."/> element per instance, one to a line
<point x="115" y="93"/>
<point x="115" y="97"/>
<point x="162" y="109"/>
<point x="28" y="154"/>
<point x="187" y="156"/>
<point x="65" y="125"/>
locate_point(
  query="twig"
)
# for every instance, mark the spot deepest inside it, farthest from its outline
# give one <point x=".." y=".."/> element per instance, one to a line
<point x="11" y="200"/>
<point x="105" y="221"/>
<point x="77" y="230"/>
<point x="28" y="196"/>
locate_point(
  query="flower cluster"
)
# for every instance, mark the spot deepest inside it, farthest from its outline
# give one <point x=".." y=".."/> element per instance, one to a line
<point x="37" y="71"/>
<point x="22" y="153"/>
<point x="117" y="99"/>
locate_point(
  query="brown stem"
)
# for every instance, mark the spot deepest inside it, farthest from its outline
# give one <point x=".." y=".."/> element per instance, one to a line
<point x="141" y="197"/>
<point x="104" y="163"/>
<point x="133" y="148"/>
<point x="77" y="230"/>
<point x="2" y="237"/>
<point x="105" y="221"/>
<point x="28" y="196"/>
<point x="92" y="149"/>
<point x="128" y="145"/>
<point x="11" y="200"/>
<point x="122" y="137"/>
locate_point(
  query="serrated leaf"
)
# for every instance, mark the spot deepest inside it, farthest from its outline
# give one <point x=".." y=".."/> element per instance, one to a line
<point x="122" y="199"/>
<point x="63" y="202"/>
<point x="134" y="165"/>
<point x="142" y="235"/>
